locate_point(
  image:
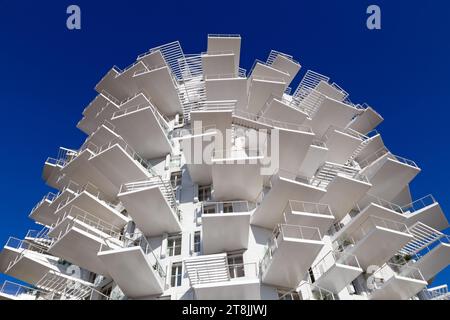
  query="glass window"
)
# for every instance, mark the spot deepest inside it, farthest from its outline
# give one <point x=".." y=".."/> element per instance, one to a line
<point x="175" y="179"/>
<point x="209" y="209"/>
<point x="204" y="193"/>
<point x="174" y="246"/>
<point x="236" y="265"/>
<point x="176" y="274"/>
<point x="227" y="208"/>
<point x="197" y="241"/>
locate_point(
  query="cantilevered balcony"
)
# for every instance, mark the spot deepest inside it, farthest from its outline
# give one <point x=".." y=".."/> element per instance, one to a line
<point x="308" y="214"/>
<point x="152" y="205"/>
<point x="310" y="291"/>
<point x="236" y="174"/>
<point x="14" y="291"/>
<point x="226" y="87"/>
<point x="290" y="252"/>
<point x="396" y="282"/>
<point x="373" y="240"/>
<point x="345" y="186"/>
<point x="212" y="277"/>
<point x="261" y="89"/>
<point x="77" y="237"/>
<point x="226" y="43"/>
<point x="118" y="161"/>
<point x="342" y="143"/>
<point x="139" y="122"/>
<point x="134" y="266"/>
<point x="58" y="286"/>
<point x="285" y="63"/>
<point x="99" y="110"/>
<point x="263" y="70"/>
<point x="280" y="188"/>
<point x="426" y="210"/>
<point x="435" y="293"/>
<point x="335" y="271"/>
<point x="53" y="166"/>
<point x="281" y="110"/>
<point x="103" y="134"/>
<point x="225" y="225"/>
<point x="32" y="263"/>
<point x="197" y="145"/>
<point x="389" y="174"/>
<point x="219" y="62"/>
<point x="10" y="251"/>
<point x="366" y="121"/>
<point x="90" y="199"/>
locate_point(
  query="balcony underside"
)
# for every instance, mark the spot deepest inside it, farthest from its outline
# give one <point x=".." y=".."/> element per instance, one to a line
<point x="81" y="248"/>
<point x="118" y="166"/>
<point x="431" y="215"/>
<point x="218" y="64"/>
<point x="158" y="84"/>
<point x="136" y="127"/>
<point x="101" y="136"/>
<point x="51" y="173"/>
<point x="225" y="232"/>
<point x="389" y="177"/>
<point x="235" y="289"/>
<point x="293" y="147"/>
<point x="132" y="271"/>
<point x="314" y="158"/>
<point x="260" y="91"/>
<point x="95" y="208"/>
<point x="32" y="266"/>
<point x="378" y="246"/>
<point x="343" y="193"/>
<point x="336" y="278"/>
<point x="291" y="261"/>
<point x="398" y="288"/>
<point x="286" y="65"/>
<point x="224" y="44"/>
<point x="150" y="211"/>
<point x="221" y="120"/>
<point x="367" y="121"/>
<point x="330" y="91"/>
<point x="227" y="89"/>
<point x="236" y="181"/>
<point x="373" y="145"/>
<point x="89" y="123"/>
<point x="314" y="220"/>
<point x="123" y="85"/>
<point x="82" y="171"/>
<point x="7" y="255"/>
<point x="268" y="72"/>
<point x="269" y="213"/>
<point x="341" y="146"/>
<point x="280" y="111"/>
<point x="434" y="261"/>
<point x="44" y="214"/>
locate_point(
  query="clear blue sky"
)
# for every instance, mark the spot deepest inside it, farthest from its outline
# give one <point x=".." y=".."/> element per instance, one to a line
<point x="49" y="72"/>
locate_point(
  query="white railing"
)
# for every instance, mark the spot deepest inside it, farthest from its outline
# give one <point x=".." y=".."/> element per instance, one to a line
<point x="328" y="171"/>
<point x="436" y="293"/>
<point x="274" y="54"/>
<point x="308" y="207"/>
<point x="309" y="291"/>
<point x="373" y="221"/>
<point x="381" y="202"/>
<point x="20" y="291"/>
<point x="227" y="207"/>
<point x="388" y="270"/>
<point x="382" y="152"/>
<point x="225" y="272"/>
<point x="419" y="204"/>
<point x="309" y="82"/>
<point x="223" y="35"/>
<point x="50" y="197"/>
<point x="184" y="132"/>
<point x="332" y="258"/>
<point x="27" y="247"/>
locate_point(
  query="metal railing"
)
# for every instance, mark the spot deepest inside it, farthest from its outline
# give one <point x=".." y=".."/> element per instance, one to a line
<point x="184" y="132"/>
<point x="381" y="202"/>
<point x="389" y="270"/>
<point x="223" y="35"/>
<point x="332" y="258"/>
<point x="223" y="273"/>
<point x="436" y="293"/>
<point x="309" y="207"/>
<point x="48" y="197"/>
<point x="419" y="204"/>
<point x="227" y="207"/>
<point x="328" y="171"/>
<point x="373" y="221"/>
<point x="19" y="291"/>
<point x="309" y="291"/>
<point x="381" y="153"/>
<point x="236" y="154"/>
<point x="25" y="247"/>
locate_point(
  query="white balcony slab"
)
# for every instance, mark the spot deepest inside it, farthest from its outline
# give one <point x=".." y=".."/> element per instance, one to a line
<point x="398" y="288"/>
<point x="280" y="111"/>
<point x="116" y="164"/>
<point x="132" y="271"/>
<point x="225" y="232"/>
<point x="293" y="147"/>
<point x="153" y="59"/>
<point x="221" y="120"/>
<point x="51" y="173"/>
<point x="431" y="215"/>
<point x="342" y="193"/>
<point x="286" y="65"/>
<point x="98" y="111"/>
<point x="263" y="71"/>
<point x="150" y="211"/>
<point x="434" y="261"/>
<point x="367" y="121"/>
<point x="341" y="146"/>
<point x="159" y="84"/>
<point x="269" y="212"/>
<point x="218" y="64"/>
<point x="7" y="255"/>
<point x="32" y="266"/>
<point x="337" y="277"/>
<point x="225" y="89"/>
<point x="137" y="126"/>
<point x="217" y="43"/>
<point x="330" y="91"/>
<point x="371" y="146"/>
<point x="236" y="289"/>
<point x="315" y="157"/>
<point x="261" y="90"/>
<point x="297" y="216"/>
<point x="102" y="135"/>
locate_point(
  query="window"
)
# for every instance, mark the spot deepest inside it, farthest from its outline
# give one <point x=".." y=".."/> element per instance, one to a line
<point x="288" y="295"/>
<point x="236" y="265"/>
<point x="174" y="246"/>
<point x="197" y="241"/>
<point x="209" y="209"/>
<point x="176" y="274"/>
<point x="175" y="179"/>
<point x="204" y="193"/>
<point x="227" y="208"/>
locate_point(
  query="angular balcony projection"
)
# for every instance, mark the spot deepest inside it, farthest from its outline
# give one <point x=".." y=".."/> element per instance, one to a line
<point x="261" y="70"/>
<point x="284" y="63"/>
<point x="212" y="277"/>
<point x="226" y="43"/>
<point x="314" y="158"/>
<point x="261" y="89"/>
<point x="236" y="174"/>
<point x="134" y="267"/>
<point x="426" y="210"/>
<point x="140" y="121"/>
<point x="10" y="251"/>
<point x="280" y="110"/>
<point x="14" y="291"/>
<point x="225" y="225"/>
<point x="389" y="174"/>
<point x="310" y="291"/>
<point x="77" y="237"/>
<point x="290" y="252"/>
<point x="224" y="87"/>
<point x="218" y="63"/>
<point x="152" y="205"/>
<point x="99" y="110"/>
<point x="335" y="271"/>
<point x="373" y="240"/>
<point x="53" y="166"/>
<point x="365" y="122"/>
<point x="217" y="114"/>
<point x="396" y="282"/>
<point x="282" y="187"/>
<point x="435" y="293"/>
<point x="103" y="134"/>
<point x="342" y="144"/>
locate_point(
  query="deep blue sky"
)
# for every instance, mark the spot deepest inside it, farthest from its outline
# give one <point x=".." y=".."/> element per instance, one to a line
<point x="48" y="72"/>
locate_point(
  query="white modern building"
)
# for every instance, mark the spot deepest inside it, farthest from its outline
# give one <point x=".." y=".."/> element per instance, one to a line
<point x="200" y="180"/>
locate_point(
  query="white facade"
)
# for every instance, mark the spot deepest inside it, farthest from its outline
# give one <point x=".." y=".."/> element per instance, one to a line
<point x="200" y="180"/>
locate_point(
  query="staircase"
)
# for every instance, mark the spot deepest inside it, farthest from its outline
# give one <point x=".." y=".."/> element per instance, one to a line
<point x="207" y="269"/>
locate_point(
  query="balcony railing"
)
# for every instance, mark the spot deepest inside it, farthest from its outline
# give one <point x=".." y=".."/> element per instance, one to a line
<point x="48" y="197"/>
<point x="309" y="291"/>
<point x="373" y="221"/>
<point x="381" y="202"/>
<point x="388" y="270"/>
<point x="436" y="293"/>
<point x="184" y="132"/>
<point x="309" y="207"/>
<point x="332" y="258"/>
<point x="283" y="231"/>
<point x="20" y="291"/>
<point x="227" y="207"/>
<point x="381" y="153"/>
<point x="419" y="204"/>
<point x="224" y="273"/>
<point x="27" y="247"/>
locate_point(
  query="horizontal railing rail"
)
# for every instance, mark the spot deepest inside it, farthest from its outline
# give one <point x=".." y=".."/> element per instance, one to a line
<point x="309" y="207"/>
<point x="332" y="258"/>
<point x="309" y="291"/>
<point x="225" y="272"/>
<point x="227" y="207"/>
